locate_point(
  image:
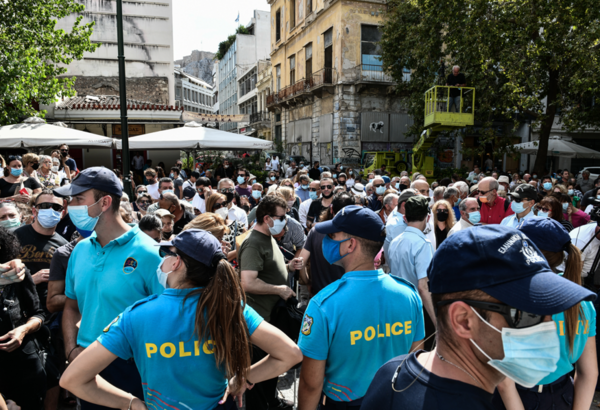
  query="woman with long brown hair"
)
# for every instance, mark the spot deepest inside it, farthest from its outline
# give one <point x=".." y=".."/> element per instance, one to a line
<point x="576" y="330"/>
<point x="188" y="341"/>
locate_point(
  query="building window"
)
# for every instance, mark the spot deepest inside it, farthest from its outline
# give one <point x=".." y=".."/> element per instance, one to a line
<point x="292" y="70"/>
<point x="308" y="7"/>
<point x="292" y="14"/>
<point x="278" y="25"/>
<point x="370" y="53"/>
<point x="308" y="55"/>
<point x="278" y="75"/>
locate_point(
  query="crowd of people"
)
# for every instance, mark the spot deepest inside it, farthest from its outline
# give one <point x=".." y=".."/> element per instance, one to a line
<point x="389" y="292"/>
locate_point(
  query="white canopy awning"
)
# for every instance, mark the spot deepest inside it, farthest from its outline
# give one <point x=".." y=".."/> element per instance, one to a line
<point x="193" y="136"/>
<point x="35" y="132"/>
<point x="558" y="148"/>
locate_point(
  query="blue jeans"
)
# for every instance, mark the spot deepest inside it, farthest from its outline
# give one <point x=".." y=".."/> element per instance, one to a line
<point x="456" y="102"/>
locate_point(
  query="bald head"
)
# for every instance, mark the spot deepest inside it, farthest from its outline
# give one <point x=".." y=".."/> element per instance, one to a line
<point x="488" y="184"/>
<point x="422" y="187"/>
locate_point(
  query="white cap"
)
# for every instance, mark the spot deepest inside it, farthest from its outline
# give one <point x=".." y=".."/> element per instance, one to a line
<point x="358" y="189"/>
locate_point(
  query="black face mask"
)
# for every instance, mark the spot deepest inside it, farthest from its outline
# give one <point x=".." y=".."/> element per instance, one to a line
<point x="442" y="216"/>
<point x="342" y="181"/>
<point x="403" y="187"/>
<point x="35" y="166"/>
<point x="201" y="196"/>
<point x="230" y="196"/>
<point x="327" y="196"/>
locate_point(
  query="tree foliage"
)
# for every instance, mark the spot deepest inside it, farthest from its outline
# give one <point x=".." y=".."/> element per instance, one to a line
<point x="224" y="45"/>
<point x="33" y="54"/>
<point x="527" y="59"/>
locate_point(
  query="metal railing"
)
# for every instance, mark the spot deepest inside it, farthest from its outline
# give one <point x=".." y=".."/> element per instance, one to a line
<point x="324" y="77"/>
<point x="260" y="116"/>
<point x="372" y="73"/>
<point x="449" y="105"/>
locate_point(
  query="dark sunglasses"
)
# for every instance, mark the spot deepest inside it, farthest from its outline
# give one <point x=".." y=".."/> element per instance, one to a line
<point x="517" y="319"/>
<point x="219" y="206"/>
<point x="143" y="202"/>
<point x="281" y="218"/>
<point x="442" y="211"/>
<point x="227" y="190"/>
<point x="378" y="185"/>
<point x="313" y="189"/>
<point x="48" y="205"/>
<point x="14" y="157"/>
<point x="64" y="150"/>
<point x="485" y="192"/>
<point x="326" y="186"/>
<point x="164" y="251"/>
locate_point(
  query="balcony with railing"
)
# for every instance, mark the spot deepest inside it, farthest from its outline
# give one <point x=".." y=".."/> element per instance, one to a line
<point x="374" y="73"/>
<point x="317" y="80"/>
<point x="260" y="120"/>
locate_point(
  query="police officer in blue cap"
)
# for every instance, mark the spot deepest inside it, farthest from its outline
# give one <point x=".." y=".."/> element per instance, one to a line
<point x="354" y="325"/>
<point x="188" y="341"/>
<point x="494" y="305"/>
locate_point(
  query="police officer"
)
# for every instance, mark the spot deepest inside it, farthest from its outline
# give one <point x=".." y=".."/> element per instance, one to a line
<point x="345" y="341"/>
<point x="183" y="351"/>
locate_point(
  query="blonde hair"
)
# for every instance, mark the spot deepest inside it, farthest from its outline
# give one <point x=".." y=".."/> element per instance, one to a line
<point x="212" y="200"/>
<point x="451" y="217"/>
<point x="288" y="193"/>
<point x="561" y="188"/>
<point x="210" y="222"/>
<point x="285" y="181"/>
<point x="29" y="158"/>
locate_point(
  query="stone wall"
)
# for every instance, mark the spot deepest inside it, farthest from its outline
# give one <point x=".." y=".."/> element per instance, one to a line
<point x="151" y="89"/>
<point x="199" y="64"/>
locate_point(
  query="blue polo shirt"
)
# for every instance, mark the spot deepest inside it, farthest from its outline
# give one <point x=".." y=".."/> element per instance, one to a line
<point x="586" y="328"/>
<point x="410" y="255"/>
<point x="178" y="370"/>
<point x="513" y="222"/>
<point x="104" y="281"/>
<point x="358" y="323"/>
<point x="394" y="227"/>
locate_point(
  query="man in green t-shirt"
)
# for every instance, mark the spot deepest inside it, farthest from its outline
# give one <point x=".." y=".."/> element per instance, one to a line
<point x="264" y="279"/>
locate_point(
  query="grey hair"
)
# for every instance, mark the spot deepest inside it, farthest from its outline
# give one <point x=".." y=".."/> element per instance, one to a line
<point x="225" y="180"/>
<point x="43" y="158"/>
<point x="304" y="177"/>
<point x="11" y="205"/>
<point x="369" y="186"/>
<point x="494" y="184"/>
<point x="325" y="174"/>
<point x="461" y="186"/>
<point x="463" y="204"/>
<point x="439" y="192"/>
<point x="150" y="223"/>
<point x="125" y="197"/>
<point x="389" y="198"/>
<point x="405" y="177"/>
<point x="450" y="192"/>
<point x="586" y="172"/>
<point x="455" y="67"/>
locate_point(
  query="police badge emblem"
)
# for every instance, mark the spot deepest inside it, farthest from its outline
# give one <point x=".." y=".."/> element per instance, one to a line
<point x="307" y="325"/>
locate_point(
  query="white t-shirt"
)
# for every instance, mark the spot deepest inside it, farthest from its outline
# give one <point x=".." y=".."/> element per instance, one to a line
<point x="237" y="214"/>
<point x="275" y="164"/>
<point x="138" y="162"/>
<point x="153" y="191"/>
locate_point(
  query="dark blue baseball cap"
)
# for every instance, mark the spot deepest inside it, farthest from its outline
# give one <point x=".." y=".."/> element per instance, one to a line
<point x="100" y="178"/>
<point x="198" y="244"/>
<point x="504" y="263"/>
<point x="546" y="233"/>
<point x="356" y="221"/>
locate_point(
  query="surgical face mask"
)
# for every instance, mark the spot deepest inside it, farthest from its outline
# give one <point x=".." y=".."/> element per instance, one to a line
<point x="225" y="166"/>
<point x="570" y="192"/>
<point x="371" y="180"/>
<point x="253" y="181"/>
<point x="48" y="218"/>
<point x="222" y="212"/>
<point x="256" y="194"/>
<point x="54" y="169"/>
<point x="171" y="175"/>
<point x="162" y="276"/>
<point x="397" y="185"/>
<point x="305" y="187"/>
<point x="534" y="176"/>
<point x="16" y="171"/>
<point x="168" y="191"/>
<point x="313" y="195"/>
<point x="547" y="186"/>
<point x="474" y="217"/>
<point x="241" y="180"/>
<point x="565" y="206"/>
<point x="543" y="214"/>
<point x="82" y="219"/>
<point x="530" y="354"/>
<point x="273" y="178"/>
<point x="335" y="175"/>
<point x="278" y="226"/>
<point x="380" y="190"/>
<point x="484" y="199"/>
<point x="290" y="204"/>
<point x="517" y="207"/>
<point x="331" y="249"/>
<point x="458" y="201"/>
<point x="10" y="223"/>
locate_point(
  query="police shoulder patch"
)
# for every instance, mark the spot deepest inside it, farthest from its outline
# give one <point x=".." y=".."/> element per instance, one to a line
<point x="107" y="328"/>
<point x="130" y="265"/>
<point x="307" y="325"/>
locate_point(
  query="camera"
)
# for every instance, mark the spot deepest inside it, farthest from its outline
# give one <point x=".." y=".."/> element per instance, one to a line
<point x="595" y="212"/>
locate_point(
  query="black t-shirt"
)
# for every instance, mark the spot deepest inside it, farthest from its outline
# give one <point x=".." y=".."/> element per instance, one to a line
<point x="322" y="273"/>
<point x="7" y="189"/>
<point x="453" y="80"/>
<point x="60" y="261"/>
<point x="66" y="228"/>
<point x="314" y="210"/>
<point x="36" y="253"/>
<point x="428" y="392"/>
<point x="185" y="219"/>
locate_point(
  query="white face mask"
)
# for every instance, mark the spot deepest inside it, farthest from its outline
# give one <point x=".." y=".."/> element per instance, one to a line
<point x="55" y="169"/>
<point x="278" y="226"/>
<point x="162" y="276"/>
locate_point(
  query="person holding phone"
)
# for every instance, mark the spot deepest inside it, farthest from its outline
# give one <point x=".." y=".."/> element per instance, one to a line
<point x="13" y="182"/>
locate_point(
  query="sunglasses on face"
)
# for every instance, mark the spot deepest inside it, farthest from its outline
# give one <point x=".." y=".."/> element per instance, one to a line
<point x="485" y="192"/>
<point x="64" y="151"/>
<point x="516" y="318"/>
<point x="280" y="217"/>
<point x="227" y="191"/>
<point x="144" y="202"/>
<point x="219" y="206"/>
<point x="50" y="205"/>
<point x="164" y="251"/>
<point x="378" y="185"/>
<point x="326" y="186"/>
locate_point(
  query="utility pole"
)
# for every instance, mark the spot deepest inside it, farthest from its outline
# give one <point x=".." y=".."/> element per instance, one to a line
<point x="123" y="99"/>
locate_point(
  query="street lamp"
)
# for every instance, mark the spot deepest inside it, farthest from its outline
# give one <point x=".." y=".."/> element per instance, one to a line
<point x="123" y="98"/>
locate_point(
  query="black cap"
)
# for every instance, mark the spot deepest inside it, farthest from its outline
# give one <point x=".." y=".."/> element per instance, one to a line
<point x="524" y="191"/>
<point x="100" y="178"/>
<point x="189" y="192"/>
<point x="417" y="207"/>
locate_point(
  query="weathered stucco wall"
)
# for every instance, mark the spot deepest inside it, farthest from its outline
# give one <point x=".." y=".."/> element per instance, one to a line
<point x="150" y="89"/>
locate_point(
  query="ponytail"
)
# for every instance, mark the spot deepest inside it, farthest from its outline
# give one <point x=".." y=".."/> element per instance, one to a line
<point x="573" y="268"/>
<point x="220" y="314"/>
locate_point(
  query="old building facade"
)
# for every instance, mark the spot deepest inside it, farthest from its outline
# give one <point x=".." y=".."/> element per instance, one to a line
<point x="192" y="93"/>
<point x="331" y="100"/>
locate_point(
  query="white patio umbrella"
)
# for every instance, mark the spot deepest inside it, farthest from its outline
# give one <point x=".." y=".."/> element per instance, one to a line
<point x="194" y="136"/>
<point x="558" y="147"/>
<point x="35" y="132"/>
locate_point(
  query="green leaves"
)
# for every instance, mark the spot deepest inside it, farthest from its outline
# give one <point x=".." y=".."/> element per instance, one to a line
<point x="528" y="60"/>
<point x="33" y="54"/>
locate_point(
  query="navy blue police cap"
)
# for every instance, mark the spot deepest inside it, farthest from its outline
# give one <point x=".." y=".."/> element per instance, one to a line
<point x="504" y="263"/>
<point x="100" y="178"/>
<point x="198" y="244"/>
<point x="356" y="221"/>
<point x="546" y="233"/>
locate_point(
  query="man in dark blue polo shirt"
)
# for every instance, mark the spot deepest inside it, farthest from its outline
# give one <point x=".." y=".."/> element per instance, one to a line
<point x="492" y="323"/>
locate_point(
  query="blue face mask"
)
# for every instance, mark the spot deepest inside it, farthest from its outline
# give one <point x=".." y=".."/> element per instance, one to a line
<point x="273" y="178"/>
<point x="82" y="220"/>
<point x="48" y="218"/>
<point x="458" y="201"/>
<point x="565" y="206"/>
<point x="335" y="175"/>
<point x="530" y="354"/>
<point x="256" y="194"/>
<point x="474" y="217"/>
<point x="10" y="223"/>
<point x="543" y="214"/>
<point x="162" y="276"/>
<point x="396" y="185"/>
<point x="313" y="195"/>
<point x="241" y="180"/>
<point x="305" y="187"/>
<point x="331" y="249"/>
<point x="517" y="207"/>
<point x="570" y="192"/>
<point x="16" y="171"/>
<point x="253" y="181"/>
<point x="547" y="186"/>
<point x="380" y="190"/>
<point x="168" y="191"/>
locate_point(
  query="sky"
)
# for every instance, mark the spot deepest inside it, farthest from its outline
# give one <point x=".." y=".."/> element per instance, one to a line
<point x="203" y="24"/>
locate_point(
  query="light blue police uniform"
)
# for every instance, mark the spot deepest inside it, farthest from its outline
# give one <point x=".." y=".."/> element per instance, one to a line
<point x="104" y="281"/>
<point x="394" y="227"/>
<point x="586" y="328"/>
<point x="178" y="370"/>
<point x="513" y="222"/>
<point x="410" y="255"/>
<point x="358" y="323"/>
